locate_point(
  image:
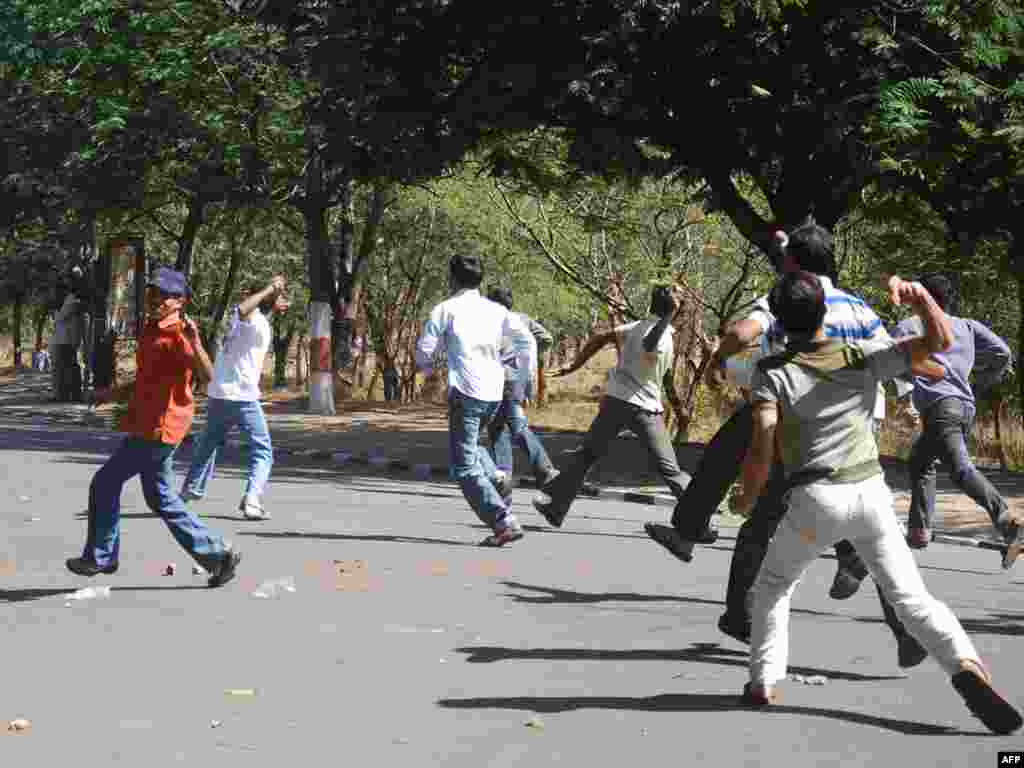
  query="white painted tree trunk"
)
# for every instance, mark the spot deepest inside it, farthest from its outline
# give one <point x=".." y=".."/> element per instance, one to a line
<point x="321" y="373"/>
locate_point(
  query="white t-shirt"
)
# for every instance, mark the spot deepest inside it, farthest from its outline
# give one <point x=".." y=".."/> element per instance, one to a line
<point x="236" y="374"/>
<point x="638" y="376"/>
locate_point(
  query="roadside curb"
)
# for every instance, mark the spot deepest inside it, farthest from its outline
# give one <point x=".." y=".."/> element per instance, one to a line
<point x="423" y="471"/>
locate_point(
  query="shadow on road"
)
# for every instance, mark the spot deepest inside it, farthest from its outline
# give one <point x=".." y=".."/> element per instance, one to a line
<point x="701" y="653"/>
<point x="391" y="539"/>
<point x="693" y="702"/>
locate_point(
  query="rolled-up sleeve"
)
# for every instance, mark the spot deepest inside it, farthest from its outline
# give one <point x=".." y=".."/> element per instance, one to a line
<point x="432" y="338"/>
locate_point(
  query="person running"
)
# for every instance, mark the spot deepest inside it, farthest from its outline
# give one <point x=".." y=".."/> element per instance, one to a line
<point x="948" y="410"/>
<point x="510" y="423"/>
<point x="170" y="353"/>
<point x="473" y="331"/>
<point x="234" y="400"/>
<point x="850" y="319"/>
<point x="632" y="400"/>
<point x="815" y="402"/>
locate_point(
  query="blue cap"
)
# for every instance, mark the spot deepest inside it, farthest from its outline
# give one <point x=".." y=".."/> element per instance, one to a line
<point x="169" y="281"/>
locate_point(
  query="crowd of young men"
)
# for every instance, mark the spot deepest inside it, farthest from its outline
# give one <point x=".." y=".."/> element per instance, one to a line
<point x="805" y="439"/>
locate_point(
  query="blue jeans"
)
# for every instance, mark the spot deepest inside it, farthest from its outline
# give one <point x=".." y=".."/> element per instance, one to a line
<point x="221" y="417"/>
<point x="152" y="461"/>
<point x="510" y="424"/>
<point x="471" y="467"/>
<point x="944" y="436"/>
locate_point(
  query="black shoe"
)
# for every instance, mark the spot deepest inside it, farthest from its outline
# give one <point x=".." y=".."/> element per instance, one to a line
<point x="974" y="685"/>
<point x="909" y="652"/>
<point x="224" y="571"/>
<point x="84" y="567"/>
<point x="707" y="536"/>
<point x="845" y="584"/>
<point x="1013" y="534"/>
<point x="737" y="629"/>
<point x="670" y="539"/>
<point x="504" y="536"/>
<point x="552" y="512"/>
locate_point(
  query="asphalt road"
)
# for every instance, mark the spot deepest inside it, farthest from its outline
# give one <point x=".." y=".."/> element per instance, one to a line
<point x="404" y="644"/>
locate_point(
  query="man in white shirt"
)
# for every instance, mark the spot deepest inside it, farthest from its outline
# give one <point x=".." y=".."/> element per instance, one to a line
<point x="472" y="330"/>
<point x="234" y="400"/>
<point x="633" y="401"/>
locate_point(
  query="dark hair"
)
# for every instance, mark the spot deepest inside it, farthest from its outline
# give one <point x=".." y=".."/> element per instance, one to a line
<point x="941" y="289"/>
<point x="798" y="301"/>
<point x="811" y="247"/>
<point x="661" y="301"/>
<point x="467" y="270"/>
<point x="255" y="285"/>
<point x="501" y="296"/>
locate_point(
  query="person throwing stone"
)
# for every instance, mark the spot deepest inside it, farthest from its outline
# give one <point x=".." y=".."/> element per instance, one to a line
<point x="234" y="400"/>
<point x="815" y="402"/>
<point x="169" y="355"/>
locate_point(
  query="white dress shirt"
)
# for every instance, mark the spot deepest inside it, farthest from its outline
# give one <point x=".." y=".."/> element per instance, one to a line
<point x="472" y="330"/>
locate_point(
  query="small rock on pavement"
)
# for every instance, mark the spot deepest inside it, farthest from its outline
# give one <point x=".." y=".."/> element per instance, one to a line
<point x="19" y="724"/>
<point x="170" y="570"/>
<point x="809" y="679"/>
<point x="216" y="723"/>
<point x="400" y="740"/>
<point x="534" y="722"/>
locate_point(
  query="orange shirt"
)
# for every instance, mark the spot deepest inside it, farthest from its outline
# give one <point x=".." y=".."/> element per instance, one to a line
<point x="162" y="407"/>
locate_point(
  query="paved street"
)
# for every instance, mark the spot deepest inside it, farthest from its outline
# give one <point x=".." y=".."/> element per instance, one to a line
<point x="403" y="644"/>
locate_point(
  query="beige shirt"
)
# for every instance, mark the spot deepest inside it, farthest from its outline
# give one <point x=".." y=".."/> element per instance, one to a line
<point x="638" y="375"/>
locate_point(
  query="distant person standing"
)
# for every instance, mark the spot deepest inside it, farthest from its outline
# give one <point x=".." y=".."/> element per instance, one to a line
<point x="510" y="423"/>
<point x="392" y="390"/>
<point x="948" y="409"/>
<point x="67" y="335"/>
<point x="234" y="400"/>
<point x="170" y="353"/>
<point x="473" y="331"/>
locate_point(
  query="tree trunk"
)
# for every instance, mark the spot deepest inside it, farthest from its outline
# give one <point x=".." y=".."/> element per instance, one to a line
<point x="187" y="240"/>
<point x="39" y="324"/>
<point x="321" y="277"/>
<point x="282" y="343"/>
<point x="19" y="311"/>
<point x="353" y="264"/>
<point x="300" y="361"/>
<point x="230" y="283"/>
<point x="681" y="414"/>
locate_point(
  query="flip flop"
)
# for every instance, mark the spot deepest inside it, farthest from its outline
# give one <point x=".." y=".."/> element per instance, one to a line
<point x="998" y="715"/>
<point x="670" y="539"/>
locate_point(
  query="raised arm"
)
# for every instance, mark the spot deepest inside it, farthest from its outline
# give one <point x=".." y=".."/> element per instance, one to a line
<point x="248" y="306"/>
<point x="594" y="344"/>
<point x="938" y="332"/>
<point x="201" y="362"/>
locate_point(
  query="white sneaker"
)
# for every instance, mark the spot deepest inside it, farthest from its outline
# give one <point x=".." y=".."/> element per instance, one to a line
<point x="253" y="510"/>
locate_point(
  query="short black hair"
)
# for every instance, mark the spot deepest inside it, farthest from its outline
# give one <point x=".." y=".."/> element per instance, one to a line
<point x="661" y="301"/>
<point x="501" y="296"/>
<point x="941" y="289"/>
<point x="811" y="247"/>
<point x="798" y="301"/>
<point x="467" y="269"/>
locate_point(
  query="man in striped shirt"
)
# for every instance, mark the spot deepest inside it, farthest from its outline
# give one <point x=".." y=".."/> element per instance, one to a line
<point x="848" y="318"/>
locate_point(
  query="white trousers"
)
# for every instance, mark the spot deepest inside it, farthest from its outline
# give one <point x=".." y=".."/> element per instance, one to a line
<point x="820" y="515"/>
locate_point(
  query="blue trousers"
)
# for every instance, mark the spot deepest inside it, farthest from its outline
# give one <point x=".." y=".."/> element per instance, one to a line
<point x="471" y="466"/>
<point x="152" y="461"/>
<point x="221" y="417"/>
<point x="510" y="424"/>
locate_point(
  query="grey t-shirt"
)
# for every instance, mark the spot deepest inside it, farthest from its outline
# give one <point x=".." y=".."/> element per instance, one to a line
<point x="826" y="394"/>
<point x="637" y="377"/>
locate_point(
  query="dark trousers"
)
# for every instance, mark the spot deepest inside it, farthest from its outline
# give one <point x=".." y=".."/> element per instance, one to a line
<point x="614" y="416"/>
<point x="944" y="436"/>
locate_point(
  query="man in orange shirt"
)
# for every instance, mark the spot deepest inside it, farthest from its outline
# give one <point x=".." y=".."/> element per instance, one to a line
<point x="160" y="414"/>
